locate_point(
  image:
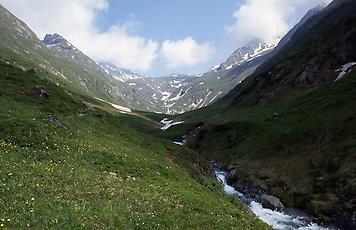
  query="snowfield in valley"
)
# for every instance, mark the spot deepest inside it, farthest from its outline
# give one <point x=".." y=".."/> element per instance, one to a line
<point x="169" y="123"/>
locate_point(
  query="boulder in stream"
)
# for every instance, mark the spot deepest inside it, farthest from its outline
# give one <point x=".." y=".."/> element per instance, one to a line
<point x="271" y="202"/>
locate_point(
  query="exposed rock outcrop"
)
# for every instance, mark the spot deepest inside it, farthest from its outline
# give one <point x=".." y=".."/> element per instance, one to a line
<point x="38" y="91"/>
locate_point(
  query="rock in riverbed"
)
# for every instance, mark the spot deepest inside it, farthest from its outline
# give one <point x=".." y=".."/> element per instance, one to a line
<point x="271" y="202"/>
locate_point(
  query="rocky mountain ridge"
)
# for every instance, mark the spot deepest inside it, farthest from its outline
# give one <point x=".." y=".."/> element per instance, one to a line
<point x="179" y="93"/>
<point x="176" y="93"/>
<point x="250" y="51"/>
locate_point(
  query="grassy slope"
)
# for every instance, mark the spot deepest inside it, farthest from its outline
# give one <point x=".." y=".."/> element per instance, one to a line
<point x="300" y="119"/>
<point x="99" y="172"/>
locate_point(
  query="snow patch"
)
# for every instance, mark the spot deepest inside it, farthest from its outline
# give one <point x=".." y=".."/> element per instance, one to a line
<point x="345" y="69"/>
<point x="215" y="97"/>
<point x="177" y="86"/>
<point x="178" y="143"/>
<point x="215" y="68"/>
<point x="119" y="107"/>
<point x="179" y="95"/>
<point x="229" y="67"/>
<point x="165" y="95"/>
<point x="122" y="108"/>
<point x="169" y="123"/>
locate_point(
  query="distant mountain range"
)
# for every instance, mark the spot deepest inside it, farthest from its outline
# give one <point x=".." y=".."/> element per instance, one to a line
<point x="172" y="94"/>
<point x="176" y="93"/>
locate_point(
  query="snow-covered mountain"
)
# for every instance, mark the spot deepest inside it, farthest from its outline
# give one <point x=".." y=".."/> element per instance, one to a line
<point x="172" y="94"/>
<point x="157" y="94"/>
<point x="166" y="91"/>
<point x="250" y="51"/>
<point x="179" y="93"/>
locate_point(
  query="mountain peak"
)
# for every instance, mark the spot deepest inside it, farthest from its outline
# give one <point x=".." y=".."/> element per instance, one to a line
<point x="51" y="39"/>
<point x="253" y="49"/>
<point x="58" y="41"/>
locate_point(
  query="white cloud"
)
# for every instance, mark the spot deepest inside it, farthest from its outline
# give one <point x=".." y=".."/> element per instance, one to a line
<point x="75" y="20"/>
<point x="124" y="50"/>
<point x="186" y="52"/>
<point x="268" y="20"/>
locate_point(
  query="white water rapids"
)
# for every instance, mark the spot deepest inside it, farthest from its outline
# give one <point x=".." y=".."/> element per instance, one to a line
<point x="289" y="219"/>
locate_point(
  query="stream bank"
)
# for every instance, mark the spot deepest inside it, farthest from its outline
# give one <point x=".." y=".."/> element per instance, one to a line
<point x="283" y="219"/>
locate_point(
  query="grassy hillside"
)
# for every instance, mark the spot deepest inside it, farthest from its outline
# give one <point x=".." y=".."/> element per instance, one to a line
<point x="68" y="165"/>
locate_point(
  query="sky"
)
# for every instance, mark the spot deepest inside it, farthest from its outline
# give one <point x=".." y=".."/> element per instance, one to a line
<point x="160" y="37"/>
